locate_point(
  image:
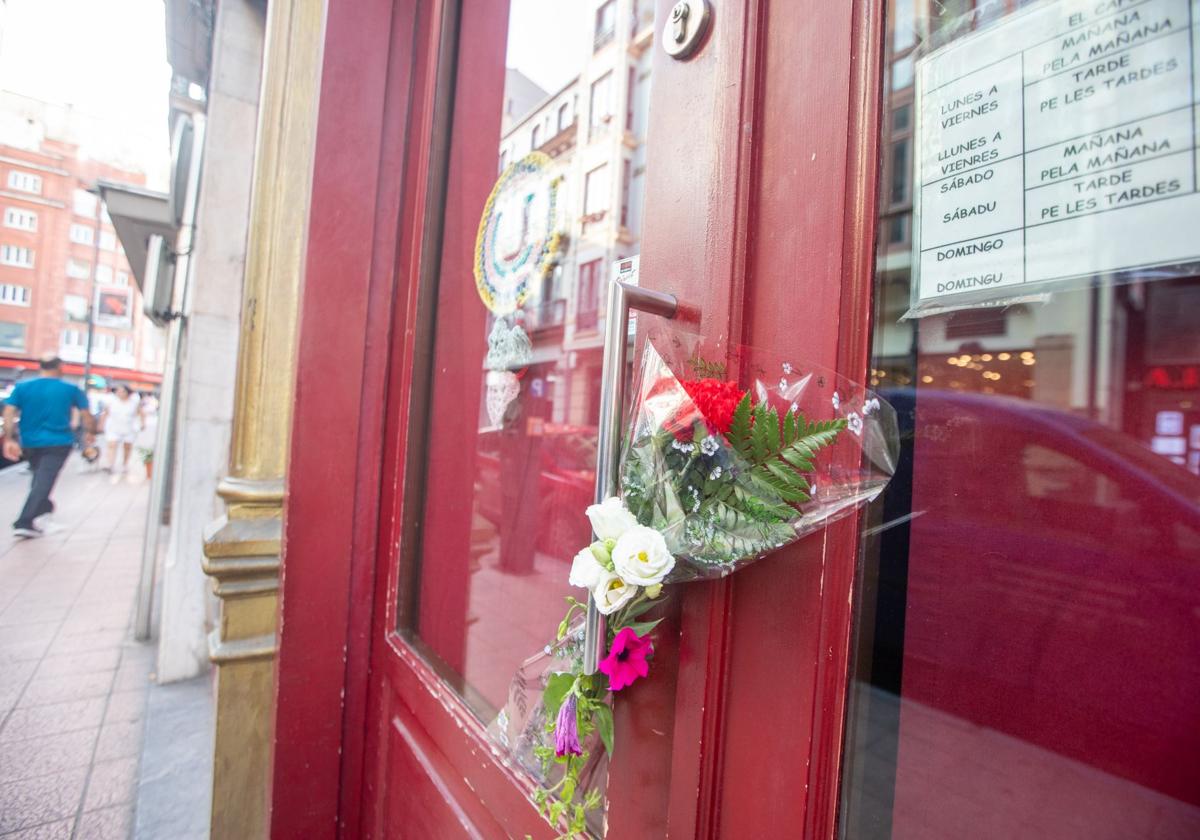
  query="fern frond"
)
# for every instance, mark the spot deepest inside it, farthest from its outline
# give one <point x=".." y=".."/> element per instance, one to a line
<point x="740" y="428"/>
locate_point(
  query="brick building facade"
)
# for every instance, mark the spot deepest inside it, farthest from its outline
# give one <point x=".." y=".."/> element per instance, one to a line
<point x="59" y="254"/>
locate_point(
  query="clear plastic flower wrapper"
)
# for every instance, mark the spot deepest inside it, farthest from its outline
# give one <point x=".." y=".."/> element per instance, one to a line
<point x="731" y="460"/>
<point x="728" y="455"/>
<point x="524" y="733"/>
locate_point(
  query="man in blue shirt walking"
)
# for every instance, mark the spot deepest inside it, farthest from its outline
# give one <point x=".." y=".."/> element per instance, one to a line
<point x="49" y="410"/>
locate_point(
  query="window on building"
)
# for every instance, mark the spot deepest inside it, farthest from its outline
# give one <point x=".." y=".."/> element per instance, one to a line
<point x="84" y="204"/>
<point x="904" y="33"/>
<point x="595" y="193"/>
<point x="78" y="269"/>
<point x="108" y="241"/>
<point x="900" y="171"/>
<point x="75" y="307"/>
<point x="125" y="346"/>
<point x="73" y="338"/>
<point x="24" y="181"/>
<point x="503" y="159"/>
<point x="535" y="139"/>
<point x="587" y="305"/>
<point x="82" y="234"/>
<point x="20" y="219"/>
<point x="564" y="115"/>
<point x="606" y="23"/>
<point x="626" y="178"/>
<point x="902" y="72"/>
<point x="12" y="336"/>
<point x="975" y="323"/>
<point x="105" y="342"/>
<point x="601" y="104"/>
<point x="104" y="274"/>
<point x="16" y="255"/>
<point x="14" y="295"/>
<point x="630" y="90"/>
<point x="122" y="278"/>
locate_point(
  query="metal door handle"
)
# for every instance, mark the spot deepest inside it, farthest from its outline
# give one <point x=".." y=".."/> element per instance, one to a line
<point x="622" y="297"/>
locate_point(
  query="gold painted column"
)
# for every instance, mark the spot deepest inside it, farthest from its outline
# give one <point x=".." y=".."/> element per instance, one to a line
<point x="242" y="547"/>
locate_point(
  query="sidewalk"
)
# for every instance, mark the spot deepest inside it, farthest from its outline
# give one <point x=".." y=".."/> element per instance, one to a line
<point x="73" y="686"/>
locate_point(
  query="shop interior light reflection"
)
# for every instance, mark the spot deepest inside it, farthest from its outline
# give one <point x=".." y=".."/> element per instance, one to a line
<point x="992" y="372"/>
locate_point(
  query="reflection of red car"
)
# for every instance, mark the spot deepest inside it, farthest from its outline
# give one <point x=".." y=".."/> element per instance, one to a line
<point x="565" y="458"/>
<point x="1053" y="585"/>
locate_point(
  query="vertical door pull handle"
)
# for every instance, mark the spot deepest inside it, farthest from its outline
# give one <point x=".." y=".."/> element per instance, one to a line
<point x="622" y="297"/>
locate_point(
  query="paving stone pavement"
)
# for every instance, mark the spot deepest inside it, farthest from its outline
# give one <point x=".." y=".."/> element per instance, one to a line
<point x="73" y="683"/>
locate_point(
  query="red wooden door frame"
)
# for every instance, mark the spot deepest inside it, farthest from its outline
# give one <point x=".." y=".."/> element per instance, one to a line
<point x="327" y="574"/>
<point x="769" y="101"/>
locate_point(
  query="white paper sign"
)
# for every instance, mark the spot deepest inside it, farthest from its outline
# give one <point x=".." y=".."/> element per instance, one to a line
<point x="1059" y="143"/>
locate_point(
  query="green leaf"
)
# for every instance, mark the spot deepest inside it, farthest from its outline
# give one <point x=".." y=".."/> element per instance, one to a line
<point x="788" y="482"/>
<point x="739" y="428"/>
<point x="555" y="692"/>
<point x="789" y="427"/>
<point x="637" y="611"/>
<point x="797" y="459"/>
<point x="604" y="722"/>
<point x="771" y="429"/>
<point x="760" y="442"/>
<point x="644" y="627"/>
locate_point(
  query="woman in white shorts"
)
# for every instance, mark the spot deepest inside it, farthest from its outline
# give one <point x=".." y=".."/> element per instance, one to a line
<point x="120" y="420"/>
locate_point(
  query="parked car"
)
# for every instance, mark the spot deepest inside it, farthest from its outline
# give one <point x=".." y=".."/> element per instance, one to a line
<point x="1050" y="589"/>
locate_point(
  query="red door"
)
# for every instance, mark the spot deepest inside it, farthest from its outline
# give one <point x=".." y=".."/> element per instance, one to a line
<point x="735" y="190"/>
<point x="739" y="176"/>
<point x="1025" y="616"/>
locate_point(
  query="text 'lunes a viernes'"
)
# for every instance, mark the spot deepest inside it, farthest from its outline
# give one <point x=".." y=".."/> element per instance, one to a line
<point x="1038" y="138"/>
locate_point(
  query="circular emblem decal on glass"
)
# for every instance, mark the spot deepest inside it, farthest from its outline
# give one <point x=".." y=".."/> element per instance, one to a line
<point x="517" y="243"/>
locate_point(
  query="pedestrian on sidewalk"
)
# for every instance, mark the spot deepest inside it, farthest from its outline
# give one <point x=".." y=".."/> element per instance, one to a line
<point x="120" y="419"/>
<point x="49" y="411"/>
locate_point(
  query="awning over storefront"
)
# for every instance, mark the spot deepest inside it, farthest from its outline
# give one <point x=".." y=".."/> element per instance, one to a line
<point x="137" y="214"/>
<point x="111" y="374"/>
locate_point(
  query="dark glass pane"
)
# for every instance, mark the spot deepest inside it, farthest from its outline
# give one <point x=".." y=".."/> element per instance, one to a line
<point x="1027" y="637"/>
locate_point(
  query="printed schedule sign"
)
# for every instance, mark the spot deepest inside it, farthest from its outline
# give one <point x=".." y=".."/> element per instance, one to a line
<point x="1058" y="143"/>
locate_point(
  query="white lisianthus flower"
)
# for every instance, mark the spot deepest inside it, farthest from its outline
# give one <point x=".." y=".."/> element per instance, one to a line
<point x="586" y="571"/>
<point x="641" y="557"/>
<point x="611" y="593"/>
<point x="610" y="519"/>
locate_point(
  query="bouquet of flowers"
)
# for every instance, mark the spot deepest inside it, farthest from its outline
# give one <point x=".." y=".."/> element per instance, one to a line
<point x="717" y="470"/>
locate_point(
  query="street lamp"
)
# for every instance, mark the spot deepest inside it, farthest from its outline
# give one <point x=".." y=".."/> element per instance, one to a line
<point x="91" y="308"/>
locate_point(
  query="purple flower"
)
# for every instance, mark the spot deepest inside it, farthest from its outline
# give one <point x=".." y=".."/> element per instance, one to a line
<point x="566" y="729"/>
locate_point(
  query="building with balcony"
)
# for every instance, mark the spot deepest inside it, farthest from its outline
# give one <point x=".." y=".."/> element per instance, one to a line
<point x="593" y="126"/>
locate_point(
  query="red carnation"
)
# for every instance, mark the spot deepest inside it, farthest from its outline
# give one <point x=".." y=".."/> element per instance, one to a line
<point x="717" y="400"/>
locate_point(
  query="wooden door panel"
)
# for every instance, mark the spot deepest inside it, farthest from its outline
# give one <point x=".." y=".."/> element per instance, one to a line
<point x="426" y="795"/>
<point x="455" y="747"/>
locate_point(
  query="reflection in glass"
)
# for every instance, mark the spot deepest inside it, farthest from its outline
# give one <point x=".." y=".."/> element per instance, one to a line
<point x="506" y="490"/>
<point x="1028" y="613"/>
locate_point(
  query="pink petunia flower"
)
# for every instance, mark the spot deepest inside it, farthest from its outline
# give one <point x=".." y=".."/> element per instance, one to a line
<point x="566" y="729"/>
<point x="626" y="660"/>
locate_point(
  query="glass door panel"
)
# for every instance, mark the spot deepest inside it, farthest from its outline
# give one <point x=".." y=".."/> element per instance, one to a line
<point x="516" y="352"/>
<point x="1028" y="629"/>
